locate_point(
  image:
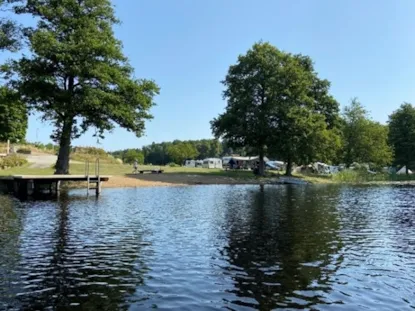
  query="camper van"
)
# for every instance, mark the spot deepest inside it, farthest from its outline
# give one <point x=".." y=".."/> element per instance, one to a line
<point x="212" y="163"/>
<point x="190" y="163"/>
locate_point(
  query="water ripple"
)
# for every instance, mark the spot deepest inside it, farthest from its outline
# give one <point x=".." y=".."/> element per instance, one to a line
<point x="211" y="247"/>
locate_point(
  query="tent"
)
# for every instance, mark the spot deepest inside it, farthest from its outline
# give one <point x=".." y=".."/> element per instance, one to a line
<point x="246" y="162"/>
<point x="402" y="171"/>
<point x="275" y="165"/>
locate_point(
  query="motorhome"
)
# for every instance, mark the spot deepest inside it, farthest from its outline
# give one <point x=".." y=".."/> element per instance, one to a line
<point x="212" y="163"/>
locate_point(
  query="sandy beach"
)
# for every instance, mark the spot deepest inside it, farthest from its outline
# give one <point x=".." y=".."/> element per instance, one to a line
<point x="171" y="179"/>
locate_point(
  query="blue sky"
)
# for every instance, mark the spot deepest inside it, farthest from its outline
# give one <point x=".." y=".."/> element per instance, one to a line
<point x="365" y="48"/>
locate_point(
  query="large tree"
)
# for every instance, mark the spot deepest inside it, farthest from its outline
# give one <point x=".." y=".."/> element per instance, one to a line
<point x="365" y="141"/>
<point x="77" y="75"/>
<point x="402" y="135"/>
<point x="132" y="155"/>
<point x="10" y="32"/>
<point x="182" y="151"/>
<point x="274" y="101"/>
<point x="13" y="116"/>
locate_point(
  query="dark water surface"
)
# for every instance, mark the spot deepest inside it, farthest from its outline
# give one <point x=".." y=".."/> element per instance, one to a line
<point x="211" y="247"/>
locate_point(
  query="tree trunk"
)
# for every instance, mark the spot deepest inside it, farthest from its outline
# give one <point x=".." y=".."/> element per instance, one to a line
<point x="261" y="168"/>
<point x="289" y="169"/>
<point x="62" y="164"/>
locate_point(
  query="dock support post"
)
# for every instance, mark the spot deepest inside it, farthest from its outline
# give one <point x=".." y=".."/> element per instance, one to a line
<point x="31" y="187"/>
<point x="58" y="187"/>
<point x="16" y="187"/>
<point x="98" y="188"/>
<point x="23" y="189"/>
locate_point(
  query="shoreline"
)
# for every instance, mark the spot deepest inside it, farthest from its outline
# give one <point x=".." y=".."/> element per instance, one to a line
<point x="192" y="179"/>
<point x="179" y="179"/>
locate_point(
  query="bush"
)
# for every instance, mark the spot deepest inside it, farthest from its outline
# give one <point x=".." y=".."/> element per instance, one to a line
<point x="90" y="150"/>
<point x="173" y="164"/>
<point x="51" y="147"/>
<point x="90" y="154"/>
<point x="13" y="160"/>
<point x="24" y="150"/>
<point x="359" y="176"/>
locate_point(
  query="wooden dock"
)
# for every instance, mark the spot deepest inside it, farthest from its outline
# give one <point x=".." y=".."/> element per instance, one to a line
<point x="30" y="185"/>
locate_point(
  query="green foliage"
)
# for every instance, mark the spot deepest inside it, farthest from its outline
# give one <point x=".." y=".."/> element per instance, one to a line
<point x="402" y="135"/>
<point x="45" y="147"/>
<point x="157" y="154"/>
<point x="182" y="151"/>
<point x="90" y="150"/>
<point x="24" y="150"/>
<point x="91" y="154"/>
<point x="172" y="164"/>
<point x="132" y="155"/>
<point x="275" y="101"/>
<point x="365" y="141"/>
<point x="10" y="32"/>
<point x="12" y="160"/>
<point x="77" y="76"/>
<point x="363" y="176"/>
<point x="13" y="116"/>
<point x="351" y="176"/>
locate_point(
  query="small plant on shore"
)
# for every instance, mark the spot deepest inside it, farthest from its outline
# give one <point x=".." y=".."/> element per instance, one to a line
<point x="172" y="164"/>
<point x="363" y="176"/>
<point x="13" y="160"/>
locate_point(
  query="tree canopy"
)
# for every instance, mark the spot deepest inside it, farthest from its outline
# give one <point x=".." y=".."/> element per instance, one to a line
<point x="77" y="75"/>
<point x="402" y="135"/>
<point x="276" y="101"/>
<point x="182" y="151"/>
<point x="158" y="154"/>
<point x="13" y="116"/>
<point x="365" y="141"/>
<point x="132" y="155"/>
<point x="10" y="32"/>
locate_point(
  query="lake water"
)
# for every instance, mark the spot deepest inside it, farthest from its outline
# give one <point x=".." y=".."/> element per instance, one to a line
<point x="211" y="247"/>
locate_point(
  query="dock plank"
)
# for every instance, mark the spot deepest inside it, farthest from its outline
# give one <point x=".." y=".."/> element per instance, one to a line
<point x="55" y="177"/>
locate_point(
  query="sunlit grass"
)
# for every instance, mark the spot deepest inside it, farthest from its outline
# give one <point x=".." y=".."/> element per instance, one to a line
<point x="121" y="169"/>
<point x="26" y="170"/>
<point x="347" y="176"/>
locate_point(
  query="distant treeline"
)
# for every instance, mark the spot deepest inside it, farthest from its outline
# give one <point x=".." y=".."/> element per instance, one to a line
<point x="178" y="151"/>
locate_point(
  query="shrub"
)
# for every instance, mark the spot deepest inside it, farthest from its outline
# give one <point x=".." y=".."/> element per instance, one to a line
<point x="39" y="145"/>
<point x="90" y="150"/>
<point x="359" y="176"/>
<point x="83" y="157"/>
<point x="173" y="164"/>
<point x="51" y="147"/>
<point x="24" y="150"/>
<point x="13" y="160"/>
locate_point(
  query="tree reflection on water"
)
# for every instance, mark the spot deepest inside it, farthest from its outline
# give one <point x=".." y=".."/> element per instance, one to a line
<point x="65" y="261"/>
<point x="283" y="242"/>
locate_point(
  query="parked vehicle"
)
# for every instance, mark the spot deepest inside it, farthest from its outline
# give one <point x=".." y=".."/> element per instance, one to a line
<point x="212" y="163"/>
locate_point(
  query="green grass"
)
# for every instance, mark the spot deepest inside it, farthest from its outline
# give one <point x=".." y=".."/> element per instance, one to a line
<point x="347" y="176"/>
<point x="315" y="179"/>
<point x="356" y="177"/>
<point x="25" y="170"/>
<point x="121" y="169"/>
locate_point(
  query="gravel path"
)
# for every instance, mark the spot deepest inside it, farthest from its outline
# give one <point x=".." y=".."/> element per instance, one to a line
<point x="43" y="160"/>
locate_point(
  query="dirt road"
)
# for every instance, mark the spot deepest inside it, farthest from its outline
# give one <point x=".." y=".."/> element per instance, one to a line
<point x="43" y="160"/>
